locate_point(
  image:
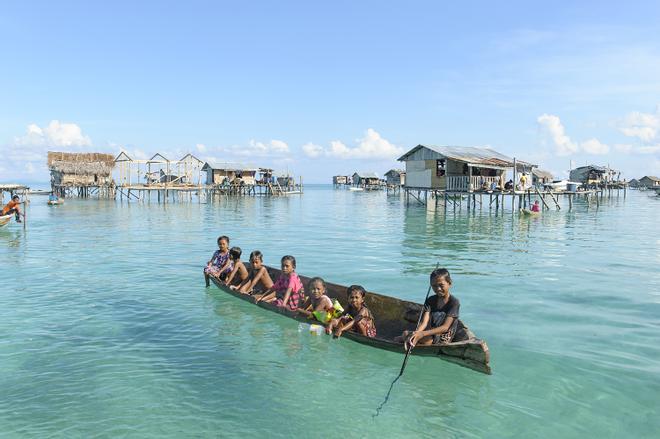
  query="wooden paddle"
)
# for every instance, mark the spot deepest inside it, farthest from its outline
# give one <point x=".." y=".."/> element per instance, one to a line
<point x="408" y="350"/>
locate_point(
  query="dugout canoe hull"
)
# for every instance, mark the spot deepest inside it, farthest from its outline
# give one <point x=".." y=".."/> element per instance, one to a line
<point x="392" y="317"/>
<point x="4" y="219"/>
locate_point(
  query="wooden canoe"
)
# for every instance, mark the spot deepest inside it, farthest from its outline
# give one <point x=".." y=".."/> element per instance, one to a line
<point x="4" y="219"/>
<point x="528" y="212"/>
<point x="392" y="317"/>
<point x="55" y="202"/>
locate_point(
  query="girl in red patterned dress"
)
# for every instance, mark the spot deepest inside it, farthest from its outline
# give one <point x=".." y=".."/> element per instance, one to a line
<point x="356" y="318"/>
<point x="287" y="292"/>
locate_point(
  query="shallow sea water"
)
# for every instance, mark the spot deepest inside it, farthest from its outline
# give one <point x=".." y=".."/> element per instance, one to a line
<point x="107" y="330"/>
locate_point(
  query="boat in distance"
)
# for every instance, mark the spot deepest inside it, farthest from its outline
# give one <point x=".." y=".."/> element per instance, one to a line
<point x="392" y="316"/>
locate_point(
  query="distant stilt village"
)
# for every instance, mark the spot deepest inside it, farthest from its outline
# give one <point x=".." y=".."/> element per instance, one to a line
<point x="448" y="176"/>
<point x="91" y="174"/>
<point x="483" y="178"/>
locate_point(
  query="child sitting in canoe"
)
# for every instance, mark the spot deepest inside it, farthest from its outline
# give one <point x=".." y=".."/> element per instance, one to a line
<point x="318" y="305"/>
<point x="536" y="207"/>
<point x="258" y="280"/>
<point x="356" y="318"/>
<point x="440" y="319"/>
<point x="239" y="273"/>
<point x="220" y="265"/>
<point x="287" y="291"/>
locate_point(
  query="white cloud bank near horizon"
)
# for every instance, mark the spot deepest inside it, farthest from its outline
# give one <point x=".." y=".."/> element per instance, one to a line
<point x="371" y="146"/>
<point x="553" y="130"/>
<point x="25" y="155"/>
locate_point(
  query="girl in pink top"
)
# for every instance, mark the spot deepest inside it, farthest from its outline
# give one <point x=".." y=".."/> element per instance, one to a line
<point x="287" y="291"/>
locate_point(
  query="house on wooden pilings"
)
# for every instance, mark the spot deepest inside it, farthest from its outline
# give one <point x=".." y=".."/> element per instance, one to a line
<point x="339" y="180"/>
<point x="458" y="168"/>
<point x="265" y="176"/>
<point x="81" y="174"/>
<point x="395" y="177"/>
<point x="593" y="175"/>
<point x="229" y="173"/>
<point x="367" y="180"/>
<point x="648" y="181"/>
<point x="540" y="178"/>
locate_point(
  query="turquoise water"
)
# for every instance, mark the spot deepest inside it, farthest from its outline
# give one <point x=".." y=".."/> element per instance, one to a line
<point x="106" y="328"/>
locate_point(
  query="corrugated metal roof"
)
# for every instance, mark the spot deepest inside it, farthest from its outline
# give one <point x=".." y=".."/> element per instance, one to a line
<point x="652" y="177"/>
<point x="395" y="171"/>
<point x="595" y="168"/>
<point x="227" y="166"/>
<point x="542" y="174"/>
<point x="469" y="154"/>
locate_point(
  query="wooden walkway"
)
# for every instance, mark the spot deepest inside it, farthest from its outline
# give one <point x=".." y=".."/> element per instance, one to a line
<point x="498" y="200"/>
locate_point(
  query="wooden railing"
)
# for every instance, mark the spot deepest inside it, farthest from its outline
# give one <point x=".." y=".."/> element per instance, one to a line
<point x="463" y="183"/>
<point x="457" y="183"/>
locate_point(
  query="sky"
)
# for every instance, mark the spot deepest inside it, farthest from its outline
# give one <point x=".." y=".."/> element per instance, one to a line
<point x="325" y="88"/>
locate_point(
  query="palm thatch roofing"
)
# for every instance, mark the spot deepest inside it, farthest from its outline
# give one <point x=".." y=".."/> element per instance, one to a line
<point x="83" y="163"/>
<point x="366" y="174"/>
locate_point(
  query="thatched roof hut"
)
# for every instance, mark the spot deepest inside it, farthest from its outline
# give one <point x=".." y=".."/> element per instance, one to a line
<point x="80" y="169"/>
<point x="81" y="163"/>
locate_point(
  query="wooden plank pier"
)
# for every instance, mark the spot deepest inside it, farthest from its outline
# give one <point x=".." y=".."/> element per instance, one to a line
<point x="499" y="200"/>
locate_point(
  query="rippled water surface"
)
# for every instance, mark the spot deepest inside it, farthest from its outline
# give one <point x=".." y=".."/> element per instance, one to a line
<point x="106" y="328"/>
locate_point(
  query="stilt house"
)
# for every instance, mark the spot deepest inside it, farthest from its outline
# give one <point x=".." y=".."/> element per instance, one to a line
<point x="593" y="175"/>
<point x="229" y="173"/>
<point x="540" y="177"/>
<point x="649" y="181"/>
<point x="457" y="168"/>
<point x="340" y="179"/>
<point x="395" y="177"/>
<point x="80" y="170"/>
<point x="366" y="179"/>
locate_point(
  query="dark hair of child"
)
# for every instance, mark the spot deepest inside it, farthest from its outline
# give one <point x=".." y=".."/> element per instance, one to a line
<point x="313" y="280"/>
<point x="357" y="288"/>
<point x="256" y="255"/>
<point x="223" y="237"/>
<point x="235" y="253"/>
<point x="290" y="259"/>
<point x="441" y="272"/>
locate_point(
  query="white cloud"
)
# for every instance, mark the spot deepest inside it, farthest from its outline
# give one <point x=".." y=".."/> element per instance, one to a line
<point x="201" y="147"/>
<point x="649" y="149"/>
<point x="312" y="150"/>
<point x="553" y="130"/>
<point x="623" y="148"/>
<point x="371" y="146"/>
<point x="27" y="154"/>
<point x="55" y="134"/>
<point x="279" y="146"/>
<point x="256" y="149"/>
<point x="594" y="146"/>
<point x="551" y="127"/>
<point x="644" y="126"/>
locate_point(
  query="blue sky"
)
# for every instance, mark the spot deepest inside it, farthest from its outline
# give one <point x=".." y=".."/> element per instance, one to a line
<point x="321" y="88"/>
